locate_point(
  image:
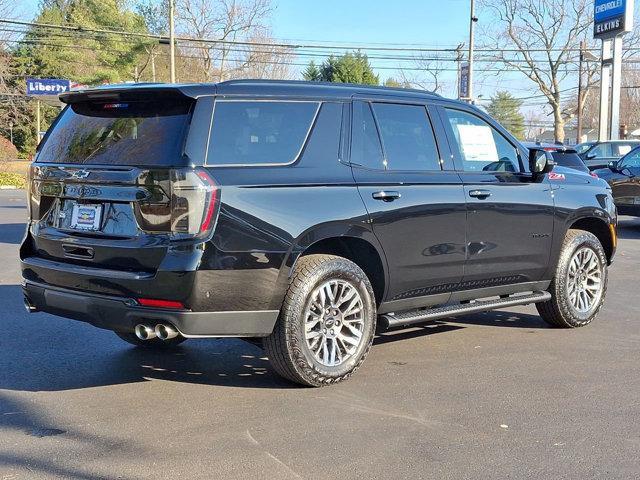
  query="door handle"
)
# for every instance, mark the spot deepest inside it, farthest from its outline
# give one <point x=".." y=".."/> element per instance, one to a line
<point x="386" y="196"/>
<point x="479" y="193"/>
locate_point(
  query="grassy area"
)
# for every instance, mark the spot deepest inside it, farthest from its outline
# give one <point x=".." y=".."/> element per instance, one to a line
<point x="14" y="174"/>
<point x="12" y="180"/>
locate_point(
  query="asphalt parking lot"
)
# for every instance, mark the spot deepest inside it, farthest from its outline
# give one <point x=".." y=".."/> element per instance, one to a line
<point x="496" y="395"/>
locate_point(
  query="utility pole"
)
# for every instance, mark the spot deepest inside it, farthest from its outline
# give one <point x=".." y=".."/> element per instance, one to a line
<point x="472" y="23"/>
<point x="172" y="41"/>
<point x="583" y="47"/>
<point x="459" y="63"/>
<point x="38" y="122"/>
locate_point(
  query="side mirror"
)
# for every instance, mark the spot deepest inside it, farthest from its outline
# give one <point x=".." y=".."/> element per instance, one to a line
<point x="613" y="166"/>
<point x="540" y="162"/>
<point x="591" y="156"/>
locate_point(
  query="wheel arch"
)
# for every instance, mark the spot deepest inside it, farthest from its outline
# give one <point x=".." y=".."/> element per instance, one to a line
<point x="359" y="251"/>
<point x="603" y="230"/>
<point x="352" y="241"/>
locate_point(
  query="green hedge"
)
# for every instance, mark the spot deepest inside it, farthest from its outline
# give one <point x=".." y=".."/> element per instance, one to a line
<point x="12" y="180"/>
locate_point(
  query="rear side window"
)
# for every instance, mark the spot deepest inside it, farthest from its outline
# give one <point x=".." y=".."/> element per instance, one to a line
<point x="124" y="133"/>
<point x="366" y="150"/>
<point x="407" y="137"/>
<point x="259" y="132"/>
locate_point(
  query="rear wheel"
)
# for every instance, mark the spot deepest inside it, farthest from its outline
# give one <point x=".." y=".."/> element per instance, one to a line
<point x="580" y="283"/>
<point x="326" y="324"/>
<point x="154" y="343"/>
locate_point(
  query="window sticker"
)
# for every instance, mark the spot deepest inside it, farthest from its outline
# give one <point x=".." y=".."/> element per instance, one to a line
<point x="624" y="149"/>
<point x="477" y="143"/>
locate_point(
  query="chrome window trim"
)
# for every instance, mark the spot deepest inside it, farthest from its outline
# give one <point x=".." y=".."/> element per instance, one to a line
<point x="248" y="100"/>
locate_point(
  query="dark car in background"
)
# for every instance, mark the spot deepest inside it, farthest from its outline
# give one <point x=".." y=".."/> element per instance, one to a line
<point x="624" y="178"/>
<point x="599" y="154"/>
<point x="562" y="155"/>
<point x="305" y="216"/>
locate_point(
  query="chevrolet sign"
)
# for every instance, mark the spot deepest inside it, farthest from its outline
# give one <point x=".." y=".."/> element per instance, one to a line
<point x="612" y="17"/>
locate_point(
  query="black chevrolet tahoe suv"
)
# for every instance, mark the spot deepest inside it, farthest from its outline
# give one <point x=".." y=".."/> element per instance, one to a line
<point x="303" y="215"/>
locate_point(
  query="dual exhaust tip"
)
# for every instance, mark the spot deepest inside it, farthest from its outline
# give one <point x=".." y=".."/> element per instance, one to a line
<point x="161" y="331"/>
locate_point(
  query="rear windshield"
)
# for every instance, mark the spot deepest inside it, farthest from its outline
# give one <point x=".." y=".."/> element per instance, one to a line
<point x="126" y="133"/>
<point x="259" y="132"/>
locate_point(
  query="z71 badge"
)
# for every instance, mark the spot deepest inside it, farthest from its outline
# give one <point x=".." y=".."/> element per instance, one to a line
<point x="556" y="176"/>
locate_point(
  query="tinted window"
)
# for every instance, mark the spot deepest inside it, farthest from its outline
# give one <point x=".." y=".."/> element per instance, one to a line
<point x="127" y="133"/>
<point x="631" y="161"/>
<point x="482" y="147"/>
<point x="571" y="160"/>
<point x="583" y="147"/>
<point x="621" y="149"/>
<point x="259" y="133"/>
<point x="365" y="144"/>
<point x="599" y="151"/>
<point x="407" y="136"/>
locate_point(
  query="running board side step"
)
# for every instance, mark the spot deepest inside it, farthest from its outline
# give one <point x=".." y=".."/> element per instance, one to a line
<point x="390" y="320"/>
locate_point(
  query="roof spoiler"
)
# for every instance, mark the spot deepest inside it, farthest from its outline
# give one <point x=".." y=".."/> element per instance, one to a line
<point x="129" y="93"/>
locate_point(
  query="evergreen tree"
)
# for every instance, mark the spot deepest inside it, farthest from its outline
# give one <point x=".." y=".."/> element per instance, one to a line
<point x="348" y="68"/>
<point x="505" y="108"/>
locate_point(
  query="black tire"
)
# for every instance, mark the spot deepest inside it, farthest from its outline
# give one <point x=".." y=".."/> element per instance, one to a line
<point x="287" y="348"/>
<point x="154" y="343"/>
<point x="559" y="311"/>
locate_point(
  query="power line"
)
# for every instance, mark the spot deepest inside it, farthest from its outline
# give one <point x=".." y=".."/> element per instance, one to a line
<point x="313" y="45"/>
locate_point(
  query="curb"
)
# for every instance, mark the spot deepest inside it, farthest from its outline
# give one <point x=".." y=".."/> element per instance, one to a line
<point x="8" y="187"/>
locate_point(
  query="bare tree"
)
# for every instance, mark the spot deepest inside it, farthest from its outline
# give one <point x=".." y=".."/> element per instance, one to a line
<point x="265" y="61"/>
<point x="429" y="73"/>
<point x="540" y="38"/>
<point x="225" y="21"/>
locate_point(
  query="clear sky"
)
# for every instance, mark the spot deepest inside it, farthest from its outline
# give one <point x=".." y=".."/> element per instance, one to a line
<point x="426" y="23"/>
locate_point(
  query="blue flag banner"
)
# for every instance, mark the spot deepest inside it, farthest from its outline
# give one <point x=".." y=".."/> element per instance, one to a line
<point x="47" y="86"/>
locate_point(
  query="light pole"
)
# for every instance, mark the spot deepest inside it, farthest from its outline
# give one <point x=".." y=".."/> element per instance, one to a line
<point x="585" y="56"/>
<point x="472" y="22"/>
<point x="172" y="41"/>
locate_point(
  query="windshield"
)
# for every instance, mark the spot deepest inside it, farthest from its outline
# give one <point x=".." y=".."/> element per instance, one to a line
<point x="126" y="133"/>
<point x="571" y="160"/>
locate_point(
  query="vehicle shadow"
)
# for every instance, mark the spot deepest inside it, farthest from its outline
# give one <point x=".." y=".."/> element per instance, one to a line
<point x="629" y="228"/>
<point x="42" y="352"/>
<point x="502" y="318"/>
<point x="12" y="233"/>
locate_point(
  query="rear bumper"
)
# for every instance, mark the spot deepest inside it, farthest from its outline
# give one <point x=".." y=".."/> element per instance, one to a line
<point x="123" y="314"/>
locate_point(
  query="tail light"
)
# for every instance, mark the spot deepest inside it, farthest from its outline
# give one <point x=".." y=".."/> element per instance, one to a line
<point x="194" y="197"/>
<point x="594" y="175"/>
<point x="184" y="203"/>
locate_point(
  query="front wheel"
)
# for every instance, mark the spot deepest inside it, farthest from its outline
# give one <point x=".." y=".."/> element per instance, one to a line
<point x="326" y="324"/>
<point x="580" y="283"/>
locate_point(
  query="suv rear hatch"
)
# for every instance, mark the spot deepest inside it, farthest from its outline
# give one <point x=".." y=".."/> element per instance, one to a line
<point x="111" y="186"/>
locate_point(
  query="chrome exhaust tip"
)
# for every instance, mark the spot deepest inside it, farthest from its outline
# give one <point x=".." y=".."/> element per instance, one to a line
<point x="166" y="332"/>
<point x="145" y="332"/>
<point x="29" y="307"/>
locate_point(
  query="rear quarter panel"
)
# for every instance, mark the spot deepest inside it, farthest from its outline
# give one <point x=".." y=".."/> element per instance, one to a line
<point x="269" y="215"/>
